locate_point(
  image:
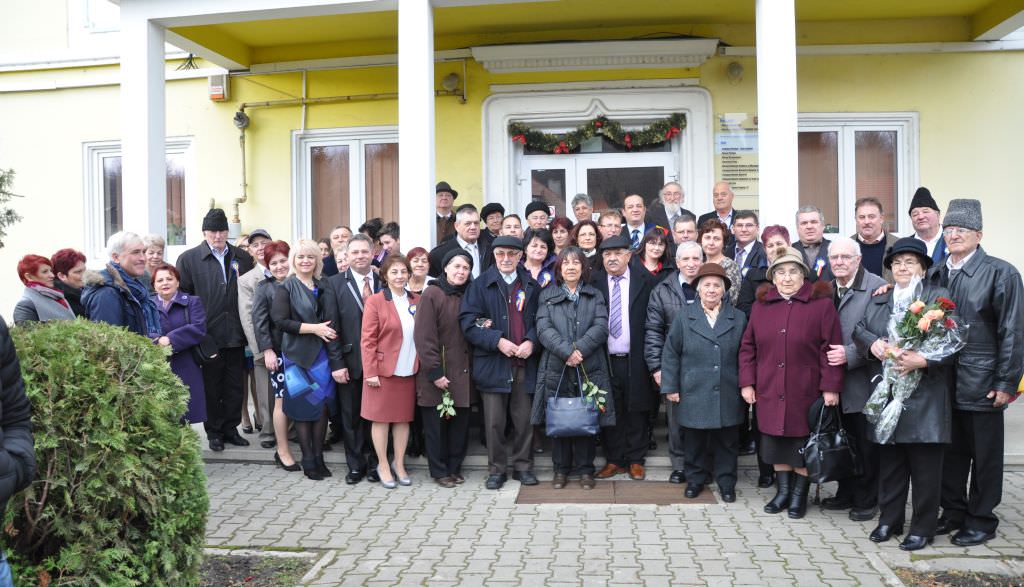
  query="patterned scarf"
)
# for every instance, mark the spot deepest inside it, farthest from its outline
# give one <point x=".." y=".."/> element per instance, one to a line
<point x="45" y="290"/>
<point x="141" y="295"/>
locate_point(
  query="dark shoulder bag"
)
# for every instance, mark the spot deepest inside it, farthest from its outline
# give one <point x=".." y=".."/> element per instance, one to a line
<point x="570" y="416"/>
<point x="828" y="454"/>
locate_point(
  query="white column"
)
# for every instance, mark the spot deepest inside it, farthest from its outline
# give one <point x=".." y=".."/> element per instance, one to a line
<point x="144" y="165"/>
<point x="416" y="123"/>
<point x="777" y="113"/>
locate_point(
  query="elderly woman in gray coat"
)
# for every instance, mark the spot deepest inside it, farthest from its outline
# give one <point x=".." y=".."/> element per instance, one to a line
<point x="572" y="324"/>
<point x="700" y="379"/>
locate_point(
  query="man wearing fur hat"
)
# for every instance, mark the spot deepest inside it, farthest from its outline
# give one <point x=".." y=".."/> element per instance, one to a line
<point x="924" y="214"/>
<point x="211" y="270"/>
<point x="987" y="292"/>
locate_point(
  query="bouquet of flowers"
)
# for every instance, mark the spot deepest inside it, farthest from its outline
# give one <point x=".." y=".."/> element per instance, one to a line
<point x="927" y="329"/>
<point x="445" y="409"/>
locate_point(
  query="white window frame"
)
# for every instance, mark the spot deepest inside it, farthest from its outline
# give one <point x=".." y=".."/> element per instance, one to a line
<point x="561" y="105"/>
<point x="94" y="153"/>
<point x="356" y="138"/>
<point x="906" y="125"/>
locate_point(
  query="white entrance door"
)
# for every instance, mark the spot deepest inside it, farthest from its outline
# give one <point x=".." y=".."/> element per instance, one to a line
<point x="606" y="177"/>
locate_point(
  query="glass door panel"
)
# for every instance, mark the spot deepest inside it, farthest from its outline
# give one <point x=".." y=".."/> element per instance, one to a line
<point x="330" y="178"/>
<point x="548" y="186"/>
<point x="876" y="176"/>
<point x="819" y="173"/>
<point x="609" y="186"/>
<point x="381" y="173"/>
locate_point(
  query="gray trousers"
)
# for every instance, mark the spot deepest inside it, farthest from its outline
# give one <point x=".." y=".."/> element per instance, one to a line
<point x="503" y="408"/>
<point x="264" y="398"/>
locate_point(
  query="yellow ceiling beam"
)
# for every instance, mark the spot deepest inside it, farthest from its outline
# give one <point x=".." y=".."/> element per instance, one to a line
<point x="216" y="43"/>
<point x="997" y="20"/>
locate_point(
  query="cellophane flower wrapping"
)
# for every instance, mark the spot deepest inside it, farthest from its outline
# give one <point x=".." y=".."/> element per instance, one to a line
<point x="927" y="329"/>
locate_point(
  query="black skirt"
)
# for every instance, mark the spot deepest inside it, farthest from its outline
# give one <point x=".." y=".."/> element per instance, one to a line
<point x="782" y="450"/>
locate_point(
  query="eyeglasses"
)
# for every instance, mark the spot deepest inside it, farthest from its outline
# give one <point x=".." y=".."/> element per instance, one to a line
<point x="956" y="230"/>
<point x="501" y="254"/>
<point x="842" y="258"/>
<point x="908" y="263"/>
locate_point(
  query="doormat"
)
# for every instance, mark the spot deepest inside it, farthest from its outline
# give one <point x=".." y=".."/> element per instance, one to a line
<point x="613" y="492"/>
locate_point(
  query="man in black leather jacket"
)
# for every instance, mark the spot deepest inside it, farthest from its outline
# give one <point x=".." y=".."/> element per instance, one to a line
<point x="987" y="292"/>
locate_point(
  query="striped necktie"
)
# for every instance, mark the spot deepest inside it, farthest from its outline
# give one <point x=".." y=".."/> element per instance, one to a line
<point x="615" y="318"/>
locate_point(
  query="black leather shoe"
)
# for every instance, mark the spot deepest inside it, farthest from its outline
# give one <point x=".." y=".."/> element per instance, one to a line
<point x="236" y="440"/>
<point x="748" y="448"/>
<point x="693" y="490"/>
<point x="862" y="515"/>
<point x="268" y="443"/>
<point x="971" y="537"/>
<point x="372" y="476"/>
<point x="354" y="477"/>
<point x="495" y="481"/>
<point x="677" y="477"/>
<point x="766" y="480"/>
<point x="216" y="444"/>
<point x="525" y="477"/>
<point x="912" y="542"/>
<point x="798" y="492"/>
<point x="322" y="466"/>
<point x="945" y="526"/>
<point x="728" y="495"/>
<point x="836" y="503"/>
<point x="884" y="532"/>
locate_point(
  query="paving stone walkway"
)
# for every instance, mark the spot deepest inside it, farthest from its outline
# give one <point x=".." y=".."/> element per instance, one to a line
<point x="426" y="535"/>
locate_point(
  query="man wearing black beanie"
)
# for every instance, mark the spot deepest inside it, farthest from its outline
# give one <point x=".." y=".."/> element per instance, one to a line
<point x="924" y="214"/>
<point x="211" y="270"/>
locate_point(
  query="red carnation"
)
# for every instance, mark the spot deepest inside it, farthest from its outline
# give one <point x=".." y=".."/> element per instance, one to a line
<point x="946" y="304"/>
<point x="950" y="325"/>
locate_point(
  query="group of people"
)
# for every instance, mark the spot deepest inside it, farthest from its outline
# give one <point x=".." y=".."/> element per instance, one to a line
<point x="739" y="332"/>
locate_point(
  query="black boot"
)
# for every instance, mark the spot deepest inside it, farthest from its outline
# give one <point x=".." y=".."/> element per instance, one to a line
<point x="766" y="474"/>
<point x="311" y="469"/>
<point x="781" y="499"/>
<point x="798" y="496"/>
<point x="321" y="466"/>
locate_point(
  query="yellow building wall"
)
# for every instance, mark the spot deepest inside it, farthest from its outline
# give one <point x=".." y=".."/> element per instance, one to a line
<point x="969" y="132"/>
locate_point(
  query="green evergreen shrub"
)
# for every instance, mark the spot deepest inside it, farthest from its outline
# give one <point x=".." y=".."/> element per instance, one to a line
<point x="120" y="498"/>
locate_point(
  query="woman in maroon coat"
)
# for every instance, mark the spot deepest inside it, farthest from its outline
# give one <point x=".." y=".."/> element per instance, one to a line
<point x="784" y="369"/>
<point x="183" y="322"/>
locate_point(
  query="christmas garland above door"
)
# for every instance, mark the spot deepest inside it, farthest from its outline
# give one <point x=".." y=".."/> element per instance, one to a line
<point x="655" y="133"/>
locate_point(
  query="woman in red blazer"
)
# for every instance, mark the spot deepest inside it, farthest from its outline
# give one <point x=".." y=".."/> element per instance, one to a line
<point x="389" y="367"/>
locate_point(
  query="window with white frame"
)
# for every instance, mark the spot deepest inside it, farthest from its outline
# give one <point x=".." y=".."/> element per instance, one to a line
<point x="847" y="156"/>
<point x="104" y="204"/>
<point x="343" y="176"/>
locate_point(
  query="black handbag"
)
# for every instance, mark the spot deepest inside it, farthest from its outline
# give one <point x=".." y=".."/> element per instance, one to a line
<point x="571" y="416"/>
<point x="206" y="349"/>
<point x="828" y="453"/>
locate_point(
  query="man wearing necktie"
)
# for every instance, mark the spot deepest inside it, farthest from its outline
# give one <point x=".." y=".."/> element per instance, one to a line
<point x="853" y="286"/>
<point x="634" y="211"/>
<point x="351" y="288"/>
<point x="627" y="292"/>
<point x="467" y="238"/>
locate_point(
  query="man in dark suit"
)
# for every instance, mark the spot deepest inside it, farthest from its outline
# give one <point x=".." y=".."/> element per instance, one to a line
<point x="668" y="206"/>
<point x="351" y="288"/>
<point x="211" y="270"/>
<point x="721" y="199"/>
<point x="748" y="251"/>
<point x="634" y="211"/>
<point x="810" y="227"/>
<point x="627" y="290"/>
<point x="467" y="236"/>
